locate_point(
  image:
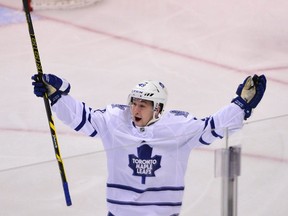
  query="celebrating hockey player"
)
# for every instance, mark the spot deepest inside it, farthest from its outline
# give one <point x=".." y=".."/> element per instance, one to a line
<point x="147" y="165"/>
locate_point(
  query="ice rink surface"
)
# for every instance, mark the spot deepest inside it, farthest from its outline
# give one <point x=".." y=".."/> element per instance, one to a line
<point x="201" y="50"/>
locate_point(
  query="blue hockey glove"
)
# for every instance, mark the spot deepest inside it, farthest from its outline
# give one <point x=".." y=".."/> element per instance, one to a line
<point x="250" y="93"/>
<point x="52" y="85"/>
<point x="39" y="87"/>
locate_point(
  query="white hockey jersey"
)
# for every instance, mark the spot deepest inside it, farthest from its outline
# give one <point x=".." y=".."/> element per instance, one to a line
<point x="146" y="166"/>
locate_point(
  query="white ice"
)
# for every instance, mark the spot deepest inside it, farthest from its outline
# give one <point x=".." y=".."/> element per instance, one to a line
<point x="201" y="50"/>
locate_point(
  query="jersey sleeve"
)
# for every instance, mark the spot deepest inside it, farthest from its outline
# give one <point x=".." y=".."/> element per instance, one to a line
<point x="78" y="116"/>
<point x="204" y="131"/>
<point x="229" y="118"/>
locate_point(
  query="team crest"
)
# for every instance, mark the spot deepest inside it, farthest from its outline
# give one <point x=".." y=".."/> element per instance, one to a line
<point x="144" y="165"/>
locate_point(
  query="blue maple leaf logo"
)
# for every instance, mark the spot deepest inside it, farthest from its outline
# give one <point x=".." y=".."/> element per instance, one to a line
<point x="144" y="165"/>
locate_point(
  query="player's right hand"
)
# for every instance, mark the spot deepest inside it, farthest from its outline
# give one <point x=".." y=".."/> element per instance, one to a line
<point x="50" y="84"/>
<point x="39" y="87"/>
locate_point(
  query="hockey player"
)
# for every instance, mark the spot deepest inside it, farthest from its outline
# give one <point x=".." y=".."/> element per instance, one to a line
<point x="147" y="149"/>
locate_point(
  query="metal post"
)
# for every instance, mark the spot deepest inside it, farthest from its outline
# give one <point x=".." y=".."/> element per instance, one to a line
<point x="227" y="166"/>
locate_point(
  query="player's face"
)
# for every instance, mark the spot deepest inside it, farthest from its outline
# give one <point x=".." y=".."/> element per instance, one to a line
<point x="141" y="111"/>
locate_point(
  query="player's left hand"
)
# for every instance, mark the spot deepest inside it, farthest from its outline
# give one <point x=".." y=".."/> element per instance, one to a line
<point x="250" y="93"/>
<point x="260" y="86"/>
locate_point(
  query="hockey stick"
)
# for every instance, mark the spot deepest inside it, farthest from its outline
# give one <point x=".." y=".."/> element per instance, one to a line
<point x="47" y="105"/>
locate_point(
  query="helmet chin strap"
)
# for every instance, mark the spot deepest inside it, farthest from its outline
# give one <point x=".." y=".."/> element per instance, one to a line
<point x="153" y="120"/>
<point x="156" y="116"/>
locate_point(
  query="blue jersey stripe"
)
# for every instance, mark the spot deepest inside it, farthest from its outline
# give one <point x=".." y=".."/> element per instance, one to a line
<point x="212" y="128"/>
<point x="89" y="115"/>
<point x="82" y="123"/>
<point x="144" y="203"/>
<point x="153" y="189"/>
<point x="203" y="142"/>
<point x="206" y="122"/>
<point x="93" y="134"/>
<point x="212" y="124"/>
